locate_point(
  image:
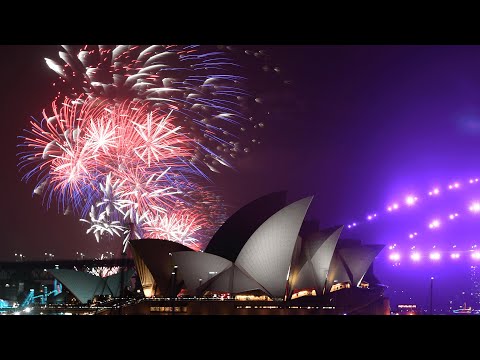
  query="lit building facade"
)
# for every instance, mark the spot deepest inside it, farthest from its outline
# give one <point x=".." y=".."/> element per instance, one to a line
<point x="269" y="268"/>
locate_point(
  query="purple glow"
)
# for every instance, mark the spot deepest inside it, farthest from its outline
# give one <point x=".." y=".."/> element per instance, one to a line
<point x="456" y="185"/>
<point x="451" y="216"/>
<point x="395" y="206"/>
<point x="475" y="207"/>
<point x="410" y="200"/>
<point x="415" y="234"/>
<point x="369" y="217"/>
<point x="470" y="181"/>
<point x="450" y="187"/>
<point x="389" y="208"/>
<point x="416" y="256"/>
<point x="354" y="224"/>
<point x="435" y="256"/>
<point x="394" y="257"/>
<point x="410" y="236"/>
<point x="455" y="255"/>
<point x="434" y="224"/>
<point x="349" y="226"/>
<point x="476" y="255"/>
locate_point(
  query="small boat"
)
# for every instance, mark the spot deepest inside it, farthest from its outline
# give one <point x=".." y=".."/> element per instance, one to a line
<point x="463" y="310"/>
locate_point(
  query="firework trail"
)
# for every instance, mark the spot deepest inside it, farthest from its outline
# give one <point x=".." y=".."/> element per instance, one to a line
<point x="83" y="151"/>
<point x="134" y="132"/>
<point x="116" y="163"/>
<point x="203" y="86"/>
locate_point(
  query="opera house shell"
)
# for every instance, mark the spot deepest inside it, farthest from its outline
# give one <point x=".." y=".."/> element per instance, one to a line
<point x="85" y="287"/>
<point x="258" y="254"/>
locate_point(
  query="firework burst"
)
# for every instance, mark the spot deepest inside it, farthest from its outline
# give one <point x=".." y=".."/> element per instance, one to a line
<point x="84" y="151"/>
<point x="133" y="133"/>
<point x="182" y="226"/>
<point x="114" y="164"/>
<point x="203" y="86"/>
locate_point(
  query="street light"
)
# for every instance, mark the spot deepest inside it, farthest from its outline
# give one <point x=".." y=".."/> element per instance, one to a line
<point x="431" y="295"/>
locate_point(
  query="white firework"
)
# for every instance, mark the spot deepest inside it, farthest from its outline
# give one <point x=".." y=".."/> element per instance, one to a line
<point x="101" y="225"/>
<point x="111" y="197"/>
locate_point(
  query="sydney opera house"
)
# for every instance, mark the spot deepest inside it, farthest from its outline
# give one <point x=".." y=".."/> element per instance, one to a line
<point x="265" y="259"/>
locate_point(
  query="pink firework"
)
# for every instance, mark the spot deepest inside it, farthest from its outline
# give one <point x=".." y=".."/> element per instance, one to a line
<point x="121" y="164"/>
<point x="205" y="86"/>
<point x="146" y="190"/>
<point x="139" y="168"/>
<point x="85" y="141"/>
<point x="182" y="226"/>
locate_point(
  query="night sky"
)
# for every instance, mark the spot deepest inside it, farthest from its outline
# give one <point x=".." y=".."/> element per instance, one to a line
<point x="360" y="127"/>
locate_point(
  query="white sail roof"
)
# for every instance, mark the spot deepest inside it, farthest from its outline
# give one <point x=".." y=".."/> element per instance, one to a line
<point x="267" y="255"/>
<point x="337" y="272"/>
<point x="196" y="268"/>
<point x="85" y="286"/>
<point x="315" y="258"/>
<point x="358" y="260"/>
